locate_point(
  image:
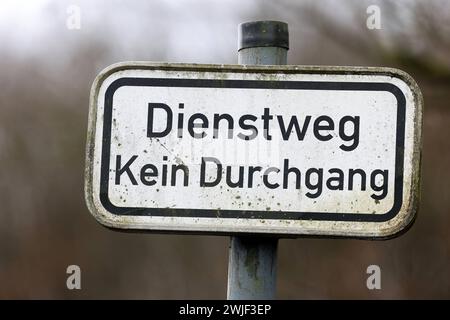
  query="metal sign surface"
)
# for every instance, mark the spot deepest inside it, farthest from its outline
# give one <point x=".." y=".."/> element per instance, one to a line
<point x="286" y="150"/>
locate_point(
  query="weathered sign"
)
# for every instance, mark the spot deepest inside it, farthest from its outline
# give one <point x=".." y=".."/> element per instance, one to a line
<point x="284" y="150"/>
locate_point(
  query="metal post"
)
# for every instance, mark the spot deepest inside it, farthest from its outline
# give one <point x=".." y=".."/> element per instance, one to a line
<point x="252" y="263"/>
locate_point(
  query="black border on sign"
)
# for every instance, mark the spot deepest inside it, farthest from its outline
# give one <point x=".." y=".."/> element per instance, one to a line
<point x="253" y="84"/>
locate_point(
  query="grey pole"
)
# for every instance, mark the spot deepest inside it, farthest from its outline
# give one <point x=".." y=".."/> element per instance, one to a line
<point x="252" y="264"/>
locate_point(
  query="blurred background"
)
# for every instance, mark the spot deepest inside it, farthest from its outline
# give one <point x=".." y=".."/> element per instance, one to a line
<point x="47" y="65"/>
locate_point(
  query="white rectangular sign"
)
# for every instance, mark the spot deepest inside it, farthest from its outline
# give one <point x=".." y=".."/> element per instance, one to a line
<point x="284" y="150"/>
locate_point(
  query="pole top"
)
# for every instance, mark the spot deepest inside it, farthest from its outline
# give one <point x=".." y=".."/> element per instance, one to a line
<point x="263" y="34"/>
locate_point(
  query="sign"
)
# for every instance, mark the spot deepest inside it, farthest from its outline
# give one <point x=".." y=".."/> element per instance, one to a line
<point x="284" y="150"/>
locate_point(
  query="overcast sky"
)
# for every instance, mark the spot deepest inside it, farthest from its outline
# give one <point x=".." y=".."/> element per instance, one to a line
<point x="191" y="31"/>
<point x="203" y="31"/>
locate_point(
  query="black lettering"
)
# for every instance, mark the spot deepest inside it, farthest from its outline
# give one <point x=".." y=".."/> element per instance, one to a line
<point x="240" y="182"/>
<point x="319" y="127"/>
<point x="354" y="136"/>
<point x="166" y="108"/>
<point x="318" y="186"/>
<point x="251" y="171"/>
<point x="185" y="170"/>
<point x="266" y="178"/>
<point x="148" y="171"/>
<point x="164" y="172"/>
<point x="266" y="117"/>
<point x="339" y="179"/>
<point x="383" y="188"/>
<point x="180" y="121"/>
<point x="192" y="125"/>
<point x="286" y="133"/>
<point x="286" y="171"/>
<point x="243" y="125"/>
<point x="203" y="182"/>
<point x="217" y="118"/>
<point x="351" y="174"/>
<point x="126" y="168"/>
